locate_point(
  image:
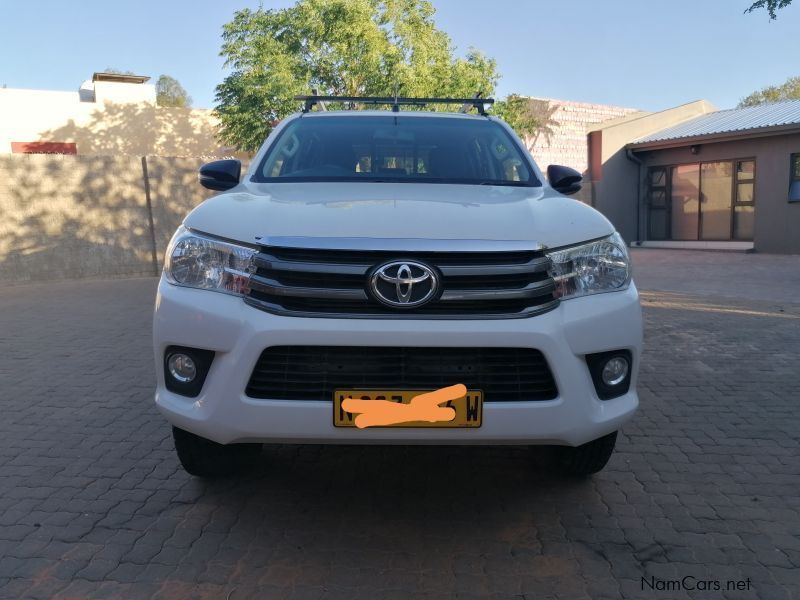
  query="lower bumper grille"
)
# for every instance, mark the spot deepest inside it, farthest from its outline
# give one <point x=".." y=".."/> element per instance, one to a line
<point x="314" y="372"/>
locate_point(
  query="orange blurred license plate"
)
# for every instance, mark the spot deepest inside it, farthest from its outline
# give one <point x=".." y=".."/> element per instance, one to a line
<point x="469" y="408"/>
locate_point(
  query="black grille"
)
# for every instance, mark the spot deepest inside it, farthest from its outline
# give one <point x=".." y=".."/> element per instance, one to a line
<point x="314" y="372"/>
<point x="333" y="283"/>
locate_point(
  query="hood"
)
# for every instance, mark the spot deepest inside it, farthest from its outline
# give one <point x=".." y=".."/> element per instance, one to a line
<point x="398" y="210"/>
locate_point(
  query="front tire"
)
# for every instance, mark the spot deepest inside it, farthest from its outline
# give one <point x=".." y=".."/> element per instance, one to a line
<point x="203" y="458"/>
<point x="587" y="459"/>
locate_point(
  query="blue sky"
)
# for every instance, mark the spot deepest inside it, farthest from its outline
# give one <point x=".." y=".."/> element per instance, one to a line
<point x="635" y="53"/>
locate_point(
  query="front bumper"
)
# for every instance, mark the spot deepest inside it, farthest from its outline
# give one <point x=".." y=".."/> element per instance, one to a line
<point x="238" y="333"/>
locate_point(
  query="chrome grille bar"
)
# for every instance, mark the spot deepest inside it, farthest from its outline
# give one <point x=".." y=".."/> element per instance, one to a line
<point x="532" y="290"/>
<point x="271" y="286"/>
<point x="265" y="260"/>
<point x="536" y="265"/>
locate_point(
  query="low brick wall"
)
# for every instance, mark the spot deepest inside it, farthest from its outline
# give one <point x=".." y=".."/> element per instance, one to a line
<point x="65" y="217"/>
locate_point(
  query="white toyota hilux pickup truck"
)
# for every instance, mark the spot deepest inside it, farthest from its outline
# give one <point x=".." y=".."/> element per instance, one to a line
<point x="368" y="258"/>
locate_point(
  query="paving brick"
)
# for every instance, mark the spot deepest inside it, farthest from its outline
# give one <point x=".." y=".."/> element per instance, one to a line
<point x="97" y="569"/>
<point x="94" y="503"/>
<point x="126" y="572"/>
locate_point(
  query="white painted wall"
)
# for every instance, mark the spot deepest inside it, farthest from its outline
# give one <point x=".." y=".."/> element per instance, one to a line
<point x="122" y="119"/>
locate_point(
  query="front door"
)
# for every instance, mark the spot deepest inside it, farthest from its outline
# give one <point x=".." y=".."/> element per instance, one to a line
<point x="716" y="202"/>
<point x="684" y="201"/>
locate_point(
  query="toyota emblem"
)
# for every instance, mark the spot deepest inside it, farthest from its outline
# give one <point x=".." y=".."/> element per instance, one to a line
<point x="404" y="284"/>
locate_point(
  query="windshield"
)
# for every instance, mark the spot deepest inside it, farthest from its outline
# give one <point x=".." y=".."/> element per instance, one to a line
<point x="396" y="149"/>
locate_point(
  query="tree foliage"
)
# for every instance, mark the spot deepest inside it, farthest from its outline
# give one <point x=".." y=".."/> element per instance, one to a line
<point x="772" y="6"/>
<point x="169" y="92"/>
<point x="118" y="71"/>
<point x="527" y="116"/>
<point x="339" y="47"/>
<point x="790" y="90"/>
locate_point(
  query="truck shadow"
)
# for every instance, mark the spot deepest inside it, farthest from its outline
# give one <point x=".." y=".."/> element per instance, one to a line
<point x="427" y="488"/>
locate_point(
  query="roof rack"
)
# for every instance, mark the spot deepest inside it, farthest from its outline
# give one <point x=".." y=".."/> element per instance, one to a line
<point x="396" y="102"/>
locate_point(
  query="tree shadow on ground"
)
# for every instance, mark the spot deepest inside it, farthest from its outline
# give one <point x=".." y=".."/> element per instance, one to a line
<point x="87" y="215"/>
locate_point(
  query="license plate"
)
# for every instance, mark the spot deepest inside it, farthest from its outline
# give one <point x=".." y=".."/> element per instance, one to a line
<point x="469" y="408"/>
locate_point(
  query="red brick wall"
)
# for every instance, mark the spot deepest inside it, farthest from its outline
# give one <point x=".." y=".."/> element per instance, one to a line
<point x="44" y="148"/>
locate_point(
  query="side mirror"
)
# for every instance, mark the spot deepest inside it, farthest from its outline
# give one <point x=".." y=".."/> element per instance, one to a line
<point x="221" y="174"/>
<point x="563" y="179"/>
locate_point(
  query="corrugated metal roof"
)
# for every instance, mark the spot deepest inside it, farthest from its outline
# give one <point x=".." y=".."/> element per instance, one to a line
<point x="731" y="120"/>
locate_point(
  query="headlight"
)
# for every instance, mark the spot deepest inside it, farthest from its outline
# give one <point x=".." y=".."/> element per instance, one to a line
<point x="593" y="268"/>
<point x="205" y="263"/>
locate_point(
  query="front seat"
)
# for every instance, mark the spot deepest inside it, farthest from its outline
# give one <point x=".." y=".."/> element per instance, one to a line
<point x="340" y="156"/>
<point x="449" y="162"/>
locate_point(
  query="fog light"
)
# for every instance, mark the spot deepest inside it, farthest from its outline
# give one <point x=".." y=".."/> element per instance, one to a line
<point x="615" y="371"/>
<point x="611" y="372"/>
<point x="182" y="367"/>
<point x="185" y="369"/>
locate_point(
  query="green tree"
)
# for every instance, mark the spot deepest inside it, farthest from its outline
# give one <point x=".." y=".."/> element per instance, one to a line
<point x="772" y="6"/>
<point x="790" y="90"/>
<point x="169" y="92"/>
<point x="522" y="113"/>
<point x="344" y="47"/>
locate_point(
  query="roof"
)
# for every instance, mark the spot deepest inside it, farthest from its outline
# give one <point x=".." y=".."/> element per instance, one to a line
<point x="729" y="123"/>
<point x="119" y="77"/>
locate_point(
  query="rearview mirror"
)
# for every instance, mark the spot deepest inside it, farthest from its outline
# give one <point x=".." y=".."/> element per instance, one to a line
<point x="221" y="174"/>
<point x="564" y="179"/>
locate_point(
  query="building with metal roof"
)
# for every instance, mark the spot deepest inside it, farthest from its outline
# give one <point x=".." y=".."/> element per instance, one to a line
<point x="697" y="177"/>
<point x="765" y="119"/>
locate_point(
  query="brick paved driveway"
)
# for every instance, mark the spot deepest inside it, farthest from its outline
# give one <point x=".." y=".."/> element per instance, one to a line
<point x="705" y="481"/>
